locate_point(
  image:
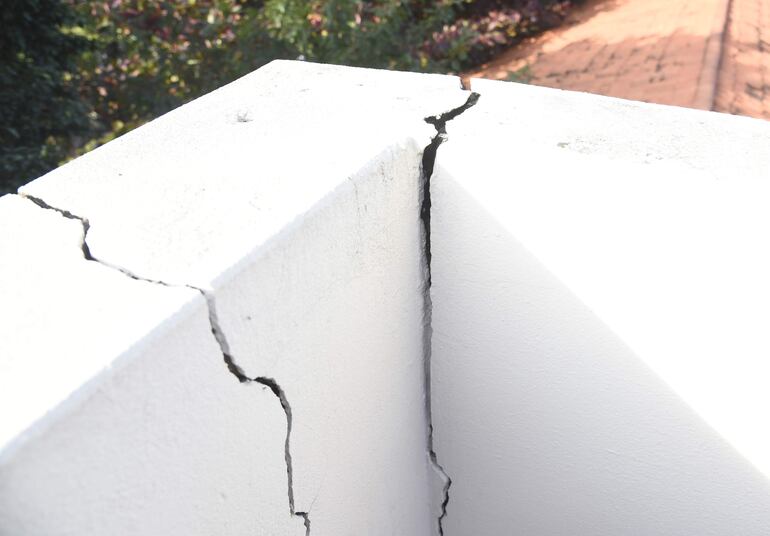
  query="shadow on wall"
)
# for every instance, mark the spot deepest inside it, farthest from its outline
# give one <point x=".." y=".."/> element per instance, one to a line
<point x="545" y="418"/>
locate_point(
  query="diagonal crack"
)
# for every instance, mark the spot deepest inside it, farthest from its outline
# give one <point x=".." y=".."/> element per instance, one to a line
<point x="216" y="331"/>
<point x="428" y="164"/>
<point x="208" y="296"/>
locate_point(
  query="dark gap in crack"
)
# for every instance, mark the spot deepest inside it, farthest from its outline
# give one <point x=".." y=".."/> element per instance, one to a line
<point x="444" y="491"/>
<point x="278" y="391"/>
<point x="87" y="255"/>
<point x="440" y="121"/>
<point x="271" y="384"/>
<point x="306" y="519"/>
<point x="219" y="337"/>
<point x="427" y="166"/>
<point x="234" y="369"/>
<point x="428" y="162"/>
<point x="70" y="216"/>
<point x="426" y="173"/>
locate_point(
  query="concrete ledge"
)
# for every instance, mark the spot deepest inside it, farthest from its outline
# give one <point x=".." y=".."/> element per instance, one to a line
<point x="223" y="322"/>
<point x="600" y="296"/>
<point x="293" y="394"/>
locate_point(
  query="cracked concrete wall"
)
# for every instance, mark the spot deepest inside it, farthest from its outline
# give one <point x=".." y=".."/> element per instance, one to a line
<point x="139" y="429"/>
<point x="600" y="289"/>
<point x="291" y="200"/>
<point x="269" y="312"/>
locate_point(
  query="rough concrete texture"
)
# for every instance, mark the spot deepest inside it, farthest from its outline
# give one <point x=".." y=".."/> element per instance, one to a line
<point x="599" y="324"/>
<point x="291" y="199"/>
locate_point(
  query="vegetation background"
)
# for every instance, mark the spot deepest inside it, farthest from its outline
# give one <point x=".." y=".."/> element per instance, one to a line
<point x="76" y="74"/>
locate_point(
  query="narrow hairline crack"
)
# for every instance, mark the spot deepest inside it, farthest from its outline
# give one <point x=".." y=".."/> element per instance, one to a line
<point x="216" y="331"/>
<point x="439" y="122"/>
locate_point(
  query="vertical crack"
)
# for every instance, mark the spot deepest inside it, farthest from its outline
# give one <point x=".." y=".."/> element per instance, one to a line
<point x="219" y="336"/>
<point x="428" y="163"/>
<point x="278" y="391"/>
<point x="427" y="166"/>
<point x="306" y="521"/>
<point x="271" y="384"/>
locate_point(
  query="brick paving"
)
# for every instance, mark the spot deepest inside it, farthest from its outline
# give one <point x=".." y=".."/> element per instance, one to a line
<point x="664" y="51"/>
<point x="744" y="77"/>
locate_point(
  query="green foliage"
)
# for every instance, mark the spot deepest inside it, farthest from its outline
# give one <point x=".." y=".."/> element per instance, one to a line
<point x="380" y="34"/>
<point x="41" y="115"/>
<point x="77" y="73"/>
<point x="150" y="56"/>
<point x="522" y="75"/>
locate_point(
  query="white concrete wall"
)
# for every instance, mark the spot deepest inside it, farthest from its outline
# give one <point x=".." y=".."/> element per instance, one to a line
<point x="137" y="427"/>
<point x="291" y="198"/>
<point x="600" y="317"/>
<point x="599" y="358"/>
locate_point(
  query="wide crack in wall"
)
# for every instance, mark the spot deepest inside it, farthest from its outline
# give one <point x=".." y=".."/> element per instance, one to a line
<point x="427" y="165"/>
<point x="439" y="122"/>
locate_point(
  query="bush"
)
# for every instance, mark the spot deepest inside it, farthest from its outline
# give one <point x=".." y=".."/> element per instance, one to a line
<point x="41" y="115"/>
<point x="76" y="74"/>
<point x="149" y="56"/>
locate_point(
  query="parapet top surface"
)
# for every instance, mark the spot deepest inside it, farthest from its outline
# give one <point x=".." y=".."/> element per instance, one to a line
<point x="210" y="181"/>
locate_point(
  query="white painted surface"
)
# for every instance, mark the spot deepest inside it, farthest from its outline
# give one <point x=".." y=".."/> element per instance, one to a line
<point x="203" y="186"/>
<point x="292" y="196"/>
<point x="334" y="313"/>
<point x="600" y="302"/>
<point x="600" y="312"/>
<point x="146" y="431"/>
